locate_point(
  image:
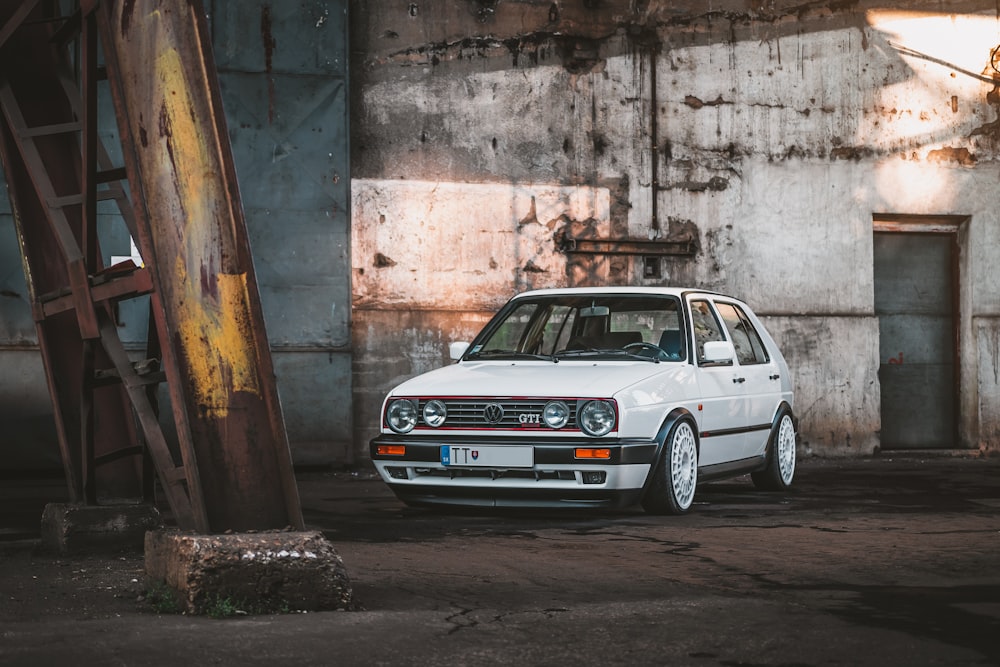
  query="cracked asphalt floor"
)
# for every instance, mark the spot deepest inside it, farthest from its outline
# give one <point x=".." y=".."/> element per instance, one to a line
<point x="884" y="561"/>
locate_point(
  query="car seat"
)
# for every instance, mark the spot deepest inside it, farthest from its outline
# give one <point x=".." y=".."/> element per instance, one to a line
<point x="670" y="342"/>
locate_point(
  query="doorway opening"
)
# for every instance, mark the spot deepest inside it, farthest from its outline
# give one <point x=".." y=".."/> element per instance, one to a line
<point x="916" y="265"/>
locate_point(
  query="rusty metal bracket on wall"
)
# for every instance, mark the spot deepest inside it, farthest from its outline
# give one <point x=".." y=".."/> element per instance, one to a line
<point x="634" y="247"/>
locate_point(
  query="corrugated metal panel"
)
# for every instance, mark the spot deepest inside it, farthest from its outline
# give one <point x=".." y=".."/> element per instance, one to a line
<point x="283" y="72"/>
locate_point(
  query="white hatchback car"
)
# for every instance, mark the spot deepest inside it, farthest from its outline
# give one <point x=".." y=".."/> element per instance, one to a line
<point x="595" y="397"/>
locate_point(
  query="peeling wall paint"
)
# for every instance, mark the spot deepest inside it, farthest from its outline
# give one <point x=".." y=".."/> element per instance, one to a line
<point x="426" y="244"/>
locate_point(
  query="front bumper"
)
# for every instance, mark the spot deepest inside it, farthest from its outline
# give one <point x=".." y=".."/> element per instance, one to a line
<point x="556" y="479"/>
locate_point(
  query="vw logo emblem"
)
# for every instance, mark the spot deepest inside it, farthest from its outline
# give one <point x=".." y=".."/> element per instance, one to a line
<point x="493" y="413"/>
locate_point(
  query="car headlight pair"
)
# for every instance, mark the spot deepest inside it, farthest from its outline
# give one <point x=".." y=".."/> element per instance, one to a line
<point x="402" y="414"/>
<point x="595" y="417"/>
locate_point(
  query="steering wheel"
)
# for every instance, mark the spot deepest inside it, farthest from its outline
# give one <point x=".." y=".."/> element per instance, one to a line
<point x="643" y="346"/>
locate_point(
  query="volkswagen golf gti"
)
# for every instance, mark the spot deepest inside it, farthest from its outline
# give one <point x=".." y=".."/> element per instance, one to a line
<point x="595" y="397"/>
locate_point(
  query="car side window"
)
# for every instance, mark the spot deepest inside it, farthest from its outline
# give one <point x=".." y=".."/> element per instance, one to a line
<point x="705" y="325"/>
<point x="749" y="346"/>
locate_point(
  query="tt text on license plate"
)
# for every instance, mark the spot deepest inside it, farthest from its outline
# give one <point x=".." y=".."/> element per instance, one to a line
<point x="489" y="455"/>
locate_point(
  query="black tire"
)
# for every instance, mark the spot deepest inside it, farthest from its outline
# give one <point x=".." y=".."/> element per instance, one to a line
<point x="780" y="470"/>
<point x="671" y="491"/>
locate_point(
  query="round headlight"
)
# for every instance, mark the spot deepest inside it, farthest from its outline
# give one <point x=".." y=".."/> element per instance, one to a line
<point x="596" y="417"/>
<point x="401" y="415"/>
<point x="435" y="412"/>
<point x="555" y="414"/>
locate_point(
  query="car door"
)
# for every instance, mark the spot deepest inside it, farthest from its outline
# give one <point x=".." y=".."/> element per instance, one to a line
<point x="757" y="375"/>
<point x="722" y="414"/>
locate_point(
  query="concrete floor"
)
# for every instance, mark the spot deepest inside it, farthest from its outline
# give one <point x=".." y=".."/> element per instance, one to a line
<point x="886" y="561"/>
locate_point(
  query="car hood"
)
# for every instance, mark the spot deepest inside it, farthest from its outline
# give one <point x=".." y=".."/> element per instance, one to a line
<point x="576" y="378"/>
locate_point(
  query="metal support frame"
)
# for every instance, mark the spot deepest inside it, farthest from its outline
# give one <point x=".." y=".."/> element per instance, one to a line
<point x="591" y="246"/>
<point x="181" y="204"/>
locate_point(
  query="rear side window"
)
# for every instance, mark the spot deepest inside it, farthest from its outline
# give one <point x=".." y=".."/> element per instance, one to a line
<point x="749" y="347"/>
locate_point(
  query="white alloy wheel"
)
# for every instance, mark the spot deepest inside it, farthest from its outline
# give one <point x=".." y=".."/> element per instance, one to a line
<point x="784" y="450"/>
<point x="780" y="456"/>
<point x="683" y="465"/>
<point x="672" y="485"/>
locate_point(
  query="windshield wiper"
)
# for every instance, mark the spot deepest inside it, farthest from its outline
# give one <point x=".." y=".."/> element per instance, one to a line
<point x="511" y="354"/>
<point x="593" y="352"/>
<point x="587" y="352"/>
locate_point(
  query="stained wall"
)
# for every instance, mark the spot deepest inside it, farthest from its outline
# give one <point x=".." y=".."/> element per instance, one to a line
<point x="770" y="135"/>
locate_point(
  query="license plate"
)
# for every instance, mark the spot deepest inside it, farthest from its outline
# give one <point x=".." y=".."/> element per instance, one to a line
<point x="490" y="456"/>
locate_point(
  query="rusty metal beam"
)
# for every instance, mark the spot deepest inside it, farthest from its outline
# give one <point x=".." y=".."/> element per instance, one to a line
<point x="193" y="236"/>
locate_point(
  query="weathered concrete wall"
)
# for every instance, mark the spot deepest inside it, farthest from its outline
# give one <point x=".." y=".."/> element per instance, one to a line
<point x="987" y="331"/>
<point x="834" y="361"/>
<point x="460" y="245"/>
<point x="483" y="131"/>
<point x="770" y="136"/>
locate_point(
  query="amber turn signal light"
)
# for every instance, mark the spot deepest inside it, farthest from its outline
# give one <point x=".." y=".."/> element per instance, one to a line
<point x="592" y="453"/>
<point x="390" y="450"/>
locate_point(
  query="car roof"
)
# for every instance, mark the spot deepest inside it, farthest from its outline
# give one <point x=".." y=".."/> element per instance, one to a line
<point x="621" y="289"/>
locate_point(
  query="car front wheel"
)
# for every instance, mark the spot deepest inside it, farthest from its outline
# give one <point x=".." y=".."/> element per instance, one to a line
<point x="676" y="476"/>
<point x="780" y="470"/>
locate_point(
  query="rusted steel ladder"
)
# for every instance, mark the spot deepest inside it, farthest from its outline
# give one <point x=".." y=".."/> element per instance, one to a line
<point x="58" y="170"/>
<point x="206" y="335"/>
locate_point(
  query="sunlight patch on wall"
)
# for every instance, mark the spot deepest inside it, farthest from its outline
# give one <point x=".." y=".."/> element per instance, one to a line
<point x="938" y="96"/>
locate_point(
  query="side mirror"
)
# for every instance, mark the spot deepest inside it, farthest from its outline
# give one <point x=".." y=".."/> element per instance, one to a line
<point x="718" y="352"/>
<point x="456" y="350"/>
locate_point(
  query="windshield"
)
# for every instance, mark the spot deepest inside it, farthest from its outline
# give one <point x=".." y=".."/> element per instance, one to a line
<point x="581" y="325"/>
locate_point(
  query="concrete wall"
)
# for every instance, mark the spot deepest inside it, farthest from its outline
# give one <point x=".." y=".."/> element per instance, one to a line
<point x="483" y="131"/>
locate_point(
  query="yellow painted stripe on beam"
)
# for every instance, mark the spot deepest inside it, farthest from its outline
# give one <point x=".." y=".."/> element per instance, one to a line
<point x="214" y="324"/>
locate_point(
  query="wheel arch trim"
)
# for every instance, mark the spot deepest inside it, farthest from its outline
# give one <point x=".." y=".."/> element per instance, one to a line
<point x="674" y="416"/>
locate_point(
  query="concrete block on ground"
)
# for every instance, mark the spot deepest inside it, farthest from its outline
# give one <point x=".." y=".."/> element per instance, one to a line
<point x="70" y="528"/>
<point x="260" y="572"/>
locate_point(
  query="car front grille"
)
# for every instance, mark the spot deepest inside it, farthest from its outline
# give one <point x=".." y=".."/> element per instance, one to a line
<point x="481" y="413"/>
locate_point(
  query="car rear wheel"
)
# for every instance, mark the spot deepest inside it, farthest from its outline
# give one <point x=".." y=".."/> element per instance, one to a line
<point x="780" y="470"/>
<point x="676" y="476"/>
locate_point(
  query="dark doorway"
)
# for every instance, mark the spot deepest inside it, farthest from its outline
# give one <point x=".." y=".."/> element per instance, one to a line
<point x="915" y="297"/>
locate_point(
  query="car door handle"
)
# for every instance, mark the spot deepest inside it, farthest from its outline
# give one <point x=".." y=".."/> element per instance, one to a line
<point x="739" y="380"/>
<point x="773" y="377"/>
